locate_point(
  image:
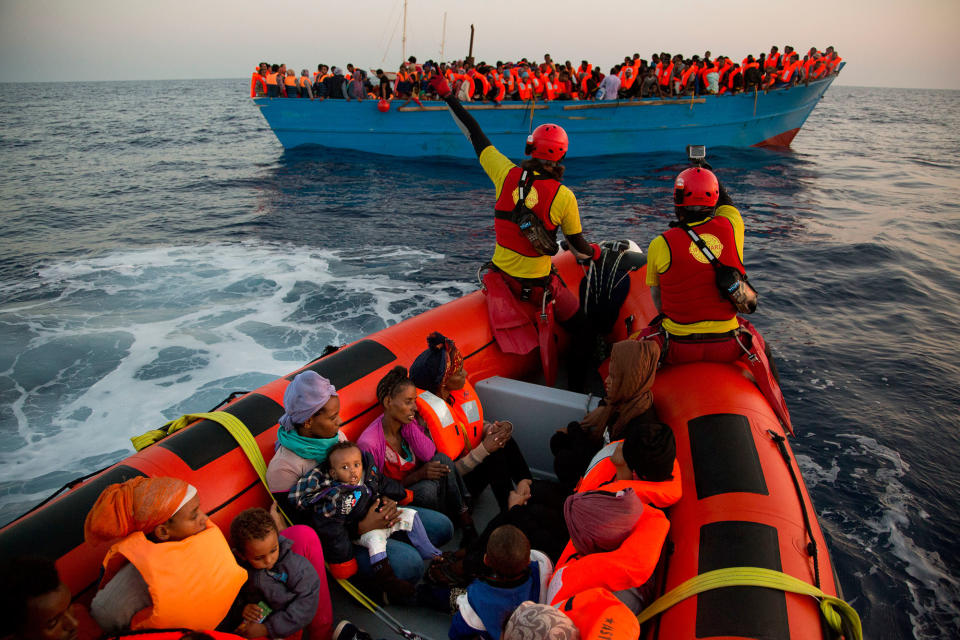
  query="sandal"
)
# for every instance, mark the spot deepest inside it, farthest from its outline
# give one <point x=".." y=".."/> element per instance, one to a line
<point x="447" y="571"/>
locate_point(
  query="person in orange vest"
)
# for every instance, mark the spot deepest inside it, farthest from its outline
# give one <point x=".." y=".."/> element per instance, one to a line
<point x="273" y="81"/>
<point x="481" y="86"/>
<point x="290" y="85"/>
<point x="615" y="543"/>
<point x="169" y="565"/>
<point x="485" y="453"/>
<point x="833" y="60"/>
<point x="258" y="82"/>
<point x="498" y="90"/>
<point x="306" y="87"/>
<point x="773" y="59"/>
<point x="665" y="74"/>
<point x="788" y="76"/>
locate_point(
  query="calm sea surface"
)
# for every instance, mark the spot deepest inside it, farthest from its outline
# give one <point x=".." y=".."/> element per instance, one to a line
<point x="160" y="250"/>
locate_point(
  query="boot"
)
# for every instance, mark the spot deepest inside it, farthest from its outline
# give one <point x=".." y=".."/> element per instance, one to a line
<point x="394" y="589"/>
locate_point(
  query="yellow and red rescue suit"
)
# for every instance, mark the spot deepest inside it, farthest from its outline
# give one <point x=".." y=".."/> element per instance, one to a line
<point x="689" y="296"/>
<point x="552" y="202"/>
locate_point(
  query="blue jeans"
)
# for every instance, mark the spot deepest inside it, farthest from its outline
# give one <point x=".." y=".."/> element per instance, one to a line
<point x="404" y="558"/>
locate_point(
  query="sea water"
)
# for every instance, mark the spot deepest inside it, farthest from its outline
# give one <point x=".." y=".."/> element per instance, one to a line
<point x="160" y="250"/>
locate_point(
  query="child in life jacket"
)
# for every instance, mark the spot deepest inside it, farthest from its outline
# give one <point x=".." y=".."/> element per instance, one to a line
<point x="340" y="492"/>
<point x="515" y="573"/>
<point x="282" y="590"/>
<point x="168" y="566"/>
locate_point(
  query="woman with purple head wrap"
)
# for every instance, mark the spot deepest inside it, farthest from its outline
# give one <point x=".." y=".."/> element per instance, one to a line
<point x="308" y="428"/>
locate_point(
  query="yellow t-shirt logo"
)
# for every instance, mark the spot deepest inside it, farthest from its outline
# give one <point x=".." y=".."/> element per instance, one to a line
<point x="531" y="200"/>
<point x="713" y="243"/>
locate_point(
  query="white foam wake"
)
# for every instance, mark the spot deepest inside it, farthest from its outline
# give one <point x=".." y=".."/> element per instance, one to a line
<point x="111" y="346"/>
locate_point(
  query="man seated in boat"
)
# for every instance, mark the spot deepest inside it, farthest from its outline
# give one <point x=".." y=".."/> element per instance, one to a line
<point x="521" y="266"/>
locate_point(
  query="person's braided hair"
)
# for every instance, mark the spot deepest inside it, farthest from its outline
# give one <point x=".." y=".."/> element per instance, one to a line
<point x="391" y="384"/>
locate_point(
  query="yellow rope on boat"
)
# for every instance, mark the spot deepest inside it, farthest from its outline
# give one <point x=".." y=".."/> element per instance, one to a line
<point x="841" y="617"/>
<point x="234" y="426"/>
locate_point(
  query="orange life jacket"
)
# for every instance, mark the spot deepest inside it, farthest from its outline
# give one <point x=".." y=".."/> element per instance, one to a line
<point x="484" y="83"/>
<point x="788" y="69"/>
<point x="600" y="615"/>
<point x="304" y="81"/>
<point x="627" y="567"/>
<point x="689" y="71"/>
<point x="511" y="82"/>
<point x="192" y="582"/>
<point x="549" y="89"/>
<point x="271" y="77"/>
<point x="537" y="85"/>
<point x="498" y="83"/>
<point x="457" y="427"/>
<point x="772" y="61"/>
<point x="584" y="72"/>
<point x="257" y="79"/>
<point x="290" y="81"/>
<point x="664" y="74"/>
<point x="732" y="78"/>
<point x="525" y="88"/>
<point x="603" y="475"/>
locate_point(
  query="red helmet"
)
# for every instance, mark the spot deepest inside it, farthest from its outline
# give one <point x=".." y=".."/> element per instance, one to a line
<point x="696" y="187"/>
<point x="548" y="142"/>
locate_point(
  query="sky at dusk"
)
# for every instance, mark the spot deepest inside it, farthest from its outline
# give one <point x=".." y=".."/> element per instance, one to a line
<point x="885" y="43"/>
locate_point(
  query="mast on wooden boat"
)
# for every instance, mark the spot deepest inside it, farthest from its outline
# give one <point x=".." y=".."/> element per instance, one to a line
<point x="404" y="41"/>
<point x="443" y="36"/>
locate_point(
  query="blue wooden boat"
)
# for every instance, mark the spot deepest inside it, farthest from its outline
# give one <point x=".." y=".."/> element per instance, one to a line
<point x="596" y="128"/>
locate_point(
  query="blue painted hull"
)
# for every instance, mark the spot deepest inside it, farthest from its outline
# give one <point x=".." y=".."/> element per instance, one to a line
<point x="595" y="128"/>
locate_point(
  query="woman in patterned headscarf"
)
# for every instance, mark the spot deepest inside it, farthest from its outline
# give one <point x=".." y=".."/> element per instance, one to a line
<point x="531" y="621"/>
<point x="496" y="461"/>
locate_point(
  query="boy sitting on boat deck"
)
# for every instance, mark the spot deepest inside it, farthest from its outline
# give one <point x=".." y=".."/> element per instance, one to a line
<point x="340" y="492"/>
<point x="515" y="573"/>
<point x="278" y="577"/>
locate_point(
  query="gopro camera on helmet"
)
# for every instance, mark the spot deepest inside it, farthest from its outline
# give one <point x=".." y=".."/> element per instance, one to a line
<point x="697" y="153"/>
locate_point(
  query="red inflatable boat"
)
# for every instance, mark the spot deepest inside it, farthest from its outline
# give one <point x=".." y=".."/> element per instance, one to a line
<point x="745" y="510"/>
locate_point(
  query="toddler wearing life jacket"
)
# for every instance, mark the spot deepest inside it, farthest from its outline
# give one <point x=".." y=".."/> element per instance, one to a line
<point x="340" y="493"/>
<point x="515" y="573"/>
<point x="282" y="590"/>
<point x="168" y="567"/>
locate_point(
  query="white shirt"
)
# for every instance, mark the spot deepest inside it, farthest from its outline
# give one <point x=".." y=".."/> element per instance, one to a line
<point x="610" y="86"/>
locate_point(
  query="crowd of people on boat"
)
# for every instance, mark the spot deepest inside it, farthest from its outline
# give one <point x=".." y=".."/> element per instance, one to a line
<point x="663" y="76"/>
<point x="378" y="510"/>
<point x="565" y="559"/>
